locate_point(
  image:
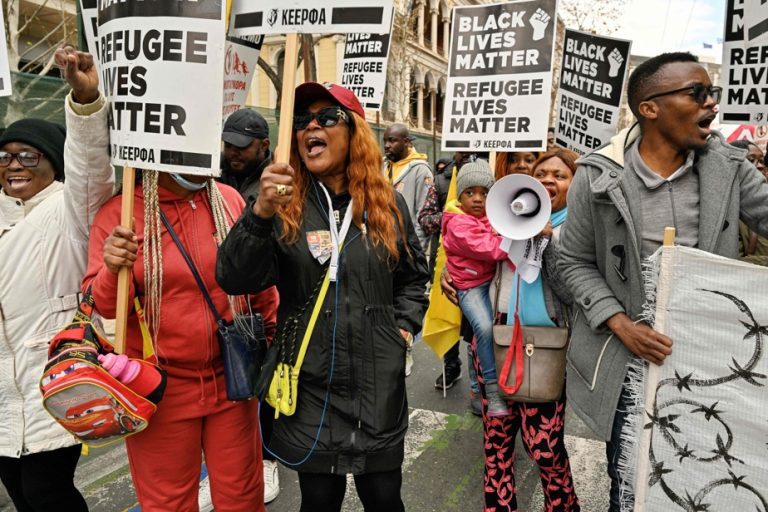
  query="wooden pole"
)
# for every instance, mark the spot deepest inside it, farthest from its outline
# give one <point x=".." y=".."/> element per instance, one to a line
<point x="492" y="161"/>
<point x="125" y="274"/>
<point x="287" y="96"/>
<point x="642" y="470"/>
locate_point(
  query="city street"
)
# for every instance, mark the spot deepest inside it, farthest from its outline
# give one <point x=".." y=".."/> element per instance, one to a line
<point x="443" y="462"/>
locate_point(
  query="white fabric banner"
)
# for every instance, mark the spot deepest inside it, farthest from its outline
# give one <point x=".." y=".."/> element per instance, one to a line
<point x="704" y="430"/>
<point x="162" y="67"/>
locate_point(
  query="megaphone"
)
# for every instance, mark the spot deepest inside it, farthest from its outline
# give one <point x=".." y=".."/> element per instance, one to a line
<point x="518" y="207"/>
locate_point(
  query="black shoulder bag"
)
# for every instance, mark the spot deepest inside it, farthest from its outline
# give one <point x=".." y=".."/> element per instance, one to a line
<point x="242" y="349"/>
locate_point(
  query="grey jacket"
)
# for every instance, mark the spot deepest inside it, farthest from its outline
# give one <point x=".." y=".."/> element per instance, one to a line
<point x="603" y="229"/>
<point x="413" y="184"/>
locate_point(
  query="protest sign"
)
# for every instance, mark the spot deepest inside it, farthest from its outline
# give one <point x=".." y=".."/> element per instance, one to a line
<point x="240" y="61"/>
<point x="591" y="84"/>
<point x="89" y="10"/>
<point x="5" y="69"/>
<point x="500" y="76"/>
<point x="309" y="17"/>
<point x="162" y="66"/>
<point x="745" y="63"/>
<point x="695" y="438"/>
<point x="364" y="67"/>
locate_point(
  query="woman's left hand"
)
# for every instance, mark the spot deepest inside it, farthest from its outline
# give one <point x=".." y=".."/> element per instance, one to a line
<point x="547" y="231"/>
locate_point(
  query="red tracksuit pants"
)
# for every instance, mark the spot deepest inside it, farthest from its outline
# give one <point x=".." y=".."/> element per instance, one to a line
<point x="194" y="418"/>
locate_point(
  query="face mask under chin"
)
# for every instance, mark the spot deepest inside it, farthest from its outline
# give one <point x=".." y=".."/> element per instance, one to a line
<point x="186" y="184"/>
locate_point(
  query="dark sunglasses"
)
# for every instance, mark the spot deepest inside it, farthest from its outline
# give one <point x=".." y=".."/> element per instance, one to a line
<point x="25" y="158"/>
<point x="325" y="117"/>
<point x="699" y="92"/>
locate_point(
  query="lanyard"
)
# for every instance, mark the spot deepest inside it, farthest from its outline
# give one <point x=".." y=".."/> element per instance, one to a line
<point x="337" y="237"/>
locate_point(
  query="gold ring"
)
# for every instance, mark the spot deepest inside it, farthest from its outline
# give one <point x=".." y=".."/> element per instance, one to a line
<point x="281" y="189"/>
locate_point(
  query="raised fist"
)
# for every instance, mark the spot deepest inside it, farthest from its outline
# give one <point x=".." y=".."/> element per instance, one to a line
<point x="615" y="60"/>
<point x="539" y="22"/>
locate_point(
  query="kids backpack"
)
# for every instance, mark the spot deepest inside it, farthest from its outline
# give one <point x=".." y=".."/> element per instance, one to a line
<point x="97" y="395"/>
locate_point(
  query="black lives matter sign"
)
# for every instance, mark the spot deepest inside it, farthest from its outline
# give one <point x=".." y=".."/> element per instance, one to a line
<point x="591" y="83"/>
<point x="364" y="67"/>
<point x="157" y="60"/>
<point x="745" y="62"/>
<point x="499" y="76"/>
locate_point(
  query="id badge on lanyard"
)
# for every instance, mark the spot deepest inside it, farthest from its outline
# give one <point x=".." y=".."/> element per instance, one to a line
<point x="337" y="237"/>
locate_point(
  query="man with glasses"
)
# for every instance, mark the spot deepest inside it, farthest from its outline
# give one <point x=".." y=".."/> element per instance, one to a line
<point x="669" y="169"/>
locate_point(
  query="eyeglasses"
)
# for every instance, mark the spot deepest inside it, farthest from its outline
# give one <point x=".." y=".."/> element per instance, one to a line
<point x="699" y="92"/>
<point x="25" y="158"/>
<point x="326" y="117"/>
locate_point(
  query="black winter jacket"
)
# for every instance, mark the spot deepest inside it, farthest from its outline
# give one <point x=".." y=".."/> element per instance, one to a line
<point x="367" y="411"/>
<point x="247" y="186"/>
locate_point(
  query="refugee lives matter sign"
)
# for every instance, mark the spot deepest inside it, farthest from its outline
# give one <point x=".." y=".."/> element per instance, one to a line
<point x="240" y="61"/>
<point x="364" y="68"/>
<point x="591" y="84"/>
<point x="499" y="76"/>
<point x="90" y="12"/>
<point x="162" y="66"/>
<point x="745" y="62"/>
<point x="5" y="68"/>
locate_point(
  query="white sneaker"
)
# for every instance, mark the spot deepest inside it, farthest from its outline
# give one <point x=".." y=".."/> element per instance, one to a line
<point x="408" y="361"/>
<point x="271" y="480"/>
<point x="204" y="501"/>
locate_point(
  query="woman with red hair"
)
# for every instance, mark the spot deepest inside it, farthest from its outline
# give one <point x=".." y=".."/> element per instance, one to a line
<point x="331" y="215"/>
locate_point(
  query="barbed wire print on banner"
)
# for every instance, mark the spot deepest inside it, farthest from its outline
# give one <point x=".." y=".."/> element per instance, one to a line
<point x="664" y="421"/>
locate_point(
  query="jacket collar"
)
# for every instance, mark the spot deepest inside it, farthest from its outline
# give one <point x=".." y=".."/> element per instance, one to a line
<point x="714" y="165"/>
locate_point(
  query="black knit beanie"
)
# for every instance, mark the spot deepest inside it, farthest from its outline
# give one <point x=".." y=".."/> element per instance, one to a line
<point x="47" y="137"/>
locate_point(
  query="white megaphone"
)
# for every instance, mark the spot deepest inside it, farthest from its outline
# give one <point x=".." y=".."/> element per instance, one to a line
<point x="518" y="207"/>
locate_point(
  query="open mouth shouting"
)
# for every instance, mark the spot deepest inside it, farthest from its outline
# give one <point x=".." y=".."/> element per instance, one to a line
<point x="314" y="146"/>
<point x="705" y="124"/>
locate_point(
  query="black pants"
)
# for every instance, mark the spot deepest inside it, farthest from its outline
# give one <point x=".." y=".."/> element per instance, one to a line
<point x="451" y="358"/>
<point x="379" y="492"/>
<point x="266" y="420"/>
<point x="42" y="482"/>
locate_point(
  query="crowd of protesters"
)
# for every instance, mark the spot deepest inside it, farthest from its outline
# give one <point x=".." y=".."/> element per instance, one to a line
<point x="350" y="229"/>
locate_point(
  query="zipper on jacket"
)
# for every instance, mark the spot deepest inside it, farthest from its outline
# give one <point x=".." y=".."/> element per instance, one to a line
<point x="192" y="204"/>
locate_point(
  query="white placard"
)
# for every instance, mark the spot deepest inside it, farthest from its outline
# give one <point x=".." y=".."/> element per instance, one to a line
<point x="162" y="67"/>
<point x="591" y="83"/>
<point x="5" y="69"/>
<point x="745" y="63"/>
<point x="364" y="67"/>
<point x="250" y="17"/>
<point x="240" y="62"/>
<point x="89" y="10"/>
<point x="500" y="76"/>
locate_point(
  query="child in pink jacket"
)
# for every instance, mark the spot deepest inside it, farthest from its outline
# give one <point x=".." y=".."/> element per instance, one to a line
<point x="472" y="249"/>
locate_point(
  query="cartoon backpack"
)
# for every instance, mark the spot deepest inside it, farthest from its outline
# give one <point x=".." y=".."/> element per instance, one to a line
<point x="94" y="393"/>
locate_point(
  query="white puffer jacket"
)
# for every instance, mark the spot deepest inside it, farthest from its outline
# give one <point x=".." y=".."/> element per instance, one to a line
<point x="43" y="254"/>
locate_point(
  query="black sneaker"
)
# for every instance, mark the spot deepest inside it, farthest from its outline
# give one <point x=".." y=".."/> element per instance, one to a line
<point x="452" y="374"/>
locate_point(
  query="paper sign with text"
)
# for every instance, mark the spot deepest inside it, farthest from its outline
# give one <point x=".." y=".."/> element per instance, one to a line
<point x="310" y="17"/>
<point x="364" y="67"/>
<point x="5" y="69"/>
<point x="745" y="63"/>
<point x="162" y="68"/>
<point x="500" y="77"/>
<point x="240" y="62"/>
<point x="89" y="10"/>
<point x="591" y="83"/>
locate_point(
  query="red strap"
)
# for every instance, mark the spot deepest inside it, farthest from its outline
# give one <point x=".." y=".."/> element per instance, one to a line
<point x="515" y="353"/>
